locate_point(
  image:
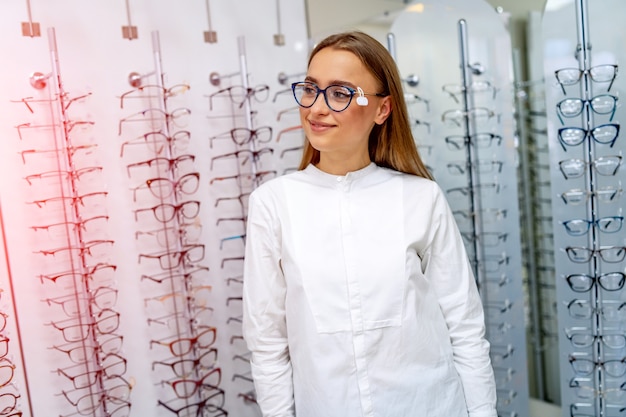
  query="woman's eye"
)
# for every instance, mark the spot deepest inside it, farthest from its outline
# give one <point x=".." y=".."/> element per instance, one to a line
<point x="307" y="89"/>
<point x="341" y="94"/>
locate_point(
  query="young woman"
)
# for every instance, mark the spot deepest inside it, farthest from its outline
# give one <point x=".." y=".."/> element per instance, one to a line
<point x="359" y="299"/>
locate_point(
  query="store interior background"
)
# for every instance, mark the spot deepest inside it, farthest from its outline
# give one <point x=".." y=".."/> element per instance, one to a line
<point x="98" y="66"/>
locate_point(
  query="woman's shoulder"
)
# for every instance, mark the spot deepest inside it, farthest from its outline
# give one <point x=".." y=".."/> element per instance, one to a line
<point x="271" y="189"/>
<point x="412" y="180"/>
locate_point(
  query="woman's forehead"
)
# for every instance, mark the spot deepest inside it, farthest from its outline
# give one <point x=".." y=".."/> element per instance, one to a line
<point x="336" y="66"/>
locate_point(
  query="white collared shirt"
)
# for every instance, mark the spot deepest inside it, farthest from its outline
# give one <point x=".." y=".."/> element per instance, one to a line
<point x="359" y="300"/>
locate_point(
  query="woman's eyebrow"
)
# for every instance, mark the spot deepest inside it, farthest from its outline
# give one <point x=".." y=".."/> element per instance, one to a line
<point x="332" y="82"/>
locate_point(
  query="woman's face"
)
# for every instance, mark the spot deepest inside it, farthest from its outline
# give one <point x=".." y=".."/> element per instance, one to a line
<point x="342" y="136"/>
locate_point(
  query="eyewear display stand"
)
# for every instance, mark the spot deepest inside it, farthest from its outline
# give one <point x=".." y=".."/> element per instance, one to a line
<point x="586" y="154"/>
<point x="471" y="151"/>
<point x="78" y="281"/>
<point x="177" y="302"/>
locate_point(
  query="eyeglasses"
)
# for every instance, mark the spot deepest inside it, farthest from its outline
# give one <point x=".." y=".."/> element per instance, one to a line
<point x="76" y="274"/>
<point x="200" y="408"/>
<point x="163" y="164"/>
<point x="181" y="346"/>
<point x="165" y="236"/>
<point x="414" y="98"/>
<point x="165" y="187"/>
<point x="488" y="239"/>
<point x="610" y="281"/>
<point x="247" y="180"/>
<point x="610" y="310"/>
<point x="174" y="259"/>
<point x="8" y="402"/>
<point x="475" y="87"/>
<point x="482" y="167"/>
<point x="456" y="116"/>
<point x="157" y="141"/>
<point x="605" y="134"/>
<point x="154" y="91"/>
<point x="337" y="97"/>
<point x="184" y="367"/>
<point x="105" y="322"/>
<point x="478" y="140"/>
<point x="243" y="136"/>
<point x="604" y="165"/>
<point x="584" y="389"/>
<point x="239" y="94"/>
<point x="85" y="352"/>
<point x="255" y="155"/>
<point x="581" y="337"/>
<point x="75" y="304"/>
<point x="65" y="175"/>
<point x="579" y="227"/>
<point x="186" y="388"/>
<point x="608" y="194"/>
<point x="599" y="73"/>
<point x="611" y="254"/>
<point x="493" y="187"/>
<point x="166" y="212"/>
<point x="112" y="365"/>
<point x="84" y="249"/>
<point x="600" y="104"/>
<point x="68" y="150"/>
<point x="488" y="215"/>
<point x="71" y="199"/>
<point x="7" y="370"/>
<point x="117" y="394"/>
<point x="614" y="367"/>
<point x="155" y="114"/>
<point x="169" y="275"/>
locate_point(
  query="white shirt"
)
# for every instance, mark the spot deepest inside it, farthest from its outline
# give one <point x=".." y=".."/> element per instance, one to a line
<point x="359" y="300"/>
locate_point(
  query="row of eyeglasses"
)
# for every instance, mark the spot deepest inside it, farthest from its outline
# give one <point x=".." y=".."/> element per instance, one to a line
<point x="598" y="343"/>
<point x="9" y="393"/>
<point x="240" y="166"/>
<point x="483" y="225"/>
<point x="76" y="277"/>
<point x="177" y="302"/>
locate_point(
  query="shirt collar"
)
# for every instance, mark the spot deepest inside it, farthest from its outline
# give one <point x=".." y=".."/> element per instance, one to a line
<point x="352" y="176"/>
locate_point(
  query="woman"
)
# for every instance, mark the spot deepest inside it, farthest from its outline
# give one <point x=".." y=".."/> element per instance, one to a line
<point x="359" y="299"/>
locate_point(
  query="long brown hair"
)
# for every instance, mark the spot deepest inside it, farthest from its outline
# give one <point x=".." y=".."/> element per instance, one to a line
<point x="391" y="144"/>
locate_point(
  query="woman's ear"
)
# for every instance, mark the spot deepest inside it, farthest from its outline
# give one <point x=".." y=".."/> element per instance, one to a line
<point x="383" y="111"/>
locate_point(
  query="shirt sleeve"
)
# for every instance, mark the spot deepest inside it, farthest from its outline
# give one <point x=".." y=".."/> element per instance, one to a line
<point x="264" y="323"/>
<point x="449" y="271"/>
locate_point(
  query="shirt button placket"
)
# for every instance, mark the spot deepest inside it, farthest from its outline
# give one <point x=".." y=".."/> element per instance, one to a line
<point x="354" y="295"/>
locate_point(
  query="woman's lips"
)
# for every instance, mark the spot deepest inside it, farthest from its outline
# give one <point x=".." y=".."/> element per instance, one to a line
<point x="319" y="127"/>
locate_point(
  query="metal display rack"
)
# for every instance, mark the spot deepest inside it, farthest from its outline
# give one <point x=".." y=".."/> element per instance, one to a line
<point x="587" y="156"/>
<point x="471" y="151"/>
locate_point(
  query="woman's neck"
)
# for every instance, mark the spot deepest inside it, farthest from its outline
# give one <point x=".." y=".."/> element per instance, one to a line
<point x="341" y="166"/>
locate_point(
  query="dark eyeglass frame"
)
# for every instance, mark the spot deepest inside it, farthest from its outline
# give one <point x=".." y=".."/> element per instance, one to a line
<point x="603" y="224"/>
<point x="241" y="99"/>
<point x="589" y="133"/>
<point x="318" y="91"/>
<point x="477" y="140"/>
<point x="601" y="280"/>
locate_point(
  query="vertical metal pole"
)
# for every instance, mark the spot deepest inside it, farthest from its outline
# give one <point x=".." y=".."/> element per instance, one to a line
<point x="529" y="231"/>
<point x="391" y="46"/>
<point x="472" y="175"/>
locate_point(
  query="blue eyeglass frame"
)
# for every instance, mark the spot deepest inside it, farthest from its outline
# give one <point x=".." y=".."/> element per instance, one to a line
<point x="323" y="91"/>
